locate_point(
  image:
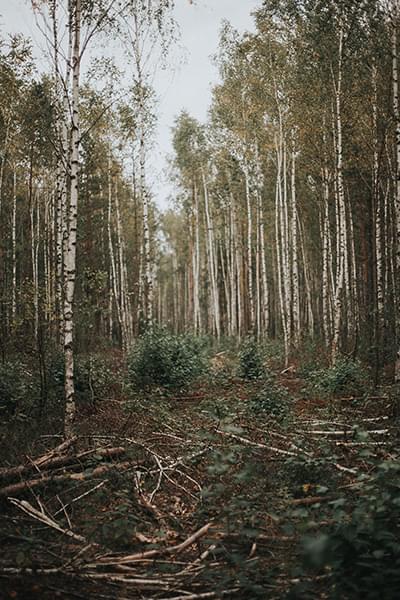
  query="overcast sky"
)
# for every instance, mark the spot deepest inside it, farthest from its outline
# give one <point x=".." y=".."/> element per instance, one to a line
<point x="187" y="84"/>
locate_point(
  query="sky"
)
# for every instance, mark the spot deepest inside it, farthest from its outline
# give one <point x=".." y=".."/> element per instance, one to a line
<point x="188" y="80"/>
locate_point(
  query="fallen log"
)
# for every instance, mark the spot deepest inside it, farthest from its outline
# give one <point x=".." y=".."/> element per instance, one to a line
<point x="177" y="549"/>
<point x="59" y="461"/>
<point x="18" y="488"/>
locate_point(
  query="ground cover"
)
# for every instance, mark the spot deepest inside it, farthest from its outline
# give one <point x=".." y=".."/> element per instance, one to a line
<point x="231" y="489"/>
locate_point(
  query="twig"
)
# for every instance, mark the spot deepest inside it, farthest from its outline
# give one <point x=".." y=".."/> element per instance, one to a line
<point x="39" y="516"/>
<point x="255" y="444"/>
<point x="204" y="595"/>
<point x="55" y="462"/>
<point x="160" y="551"/>
<point x="17" y="488"/>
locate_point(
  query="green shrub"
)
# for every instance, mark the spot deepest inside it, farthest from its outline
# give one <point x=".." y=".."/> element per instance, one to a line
<point x="161" y="359"/>
<point x="273" y="350"/>
<point x="361" y="548"/>
<point x="251" y="363"/>
<point x="272" y="399"/>
<point x="345" y="377"/>
<point x="17" y="385"/>
<point x="93" y="377"/>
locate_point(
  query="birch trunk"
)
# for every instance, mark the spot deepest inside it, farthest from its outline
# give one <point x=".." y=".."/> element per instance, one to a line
<point x="13" y="250"/>
<point x="342" y="246"/>
<point x="70" y="263"/>
<point x="396" y="112"/>
<point x="326" y="257"/>
<point x="215" y="314"/>
<point x="249" y="249"/>
<point x="295" y="262"/>
<point x="264" y="281"/>
<point x="196" y="265"/>
<point x="115" y="295"/>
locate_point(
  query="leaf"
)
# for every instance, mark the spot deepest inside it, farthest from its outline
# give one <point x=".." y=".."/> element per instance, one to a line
<point x="338" y="503"/>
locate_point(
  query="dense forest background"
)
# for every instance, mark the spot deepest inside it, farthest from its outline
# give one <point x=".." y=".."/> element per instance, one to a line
<point x="287" y="217"/>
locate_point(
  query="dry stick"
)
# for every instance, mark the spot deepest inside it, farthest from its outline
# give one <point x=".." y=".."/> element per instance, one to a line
<point x="203" y="596"/>
<point x="60" y="461"/>
<point x="286" y="438"/>
<point x="181" y="487"/>
<point x="286" y="452"/>
<point x="93" y="489"/>
<point x="352" y="444"/>
<point x="195" y="564"/>
<point x="339" y="433"/>
<point x="138" y="582"/>
<point x="373" y="419"/>
<point x="17" y="488"/>
<point x="39" y="516"/>
<point x="161" y="468"/>
<point x="161" y="551"/>
<point x="63" y="510"/>
<point x="311" y="500"/>
<point x="255" y="444"/>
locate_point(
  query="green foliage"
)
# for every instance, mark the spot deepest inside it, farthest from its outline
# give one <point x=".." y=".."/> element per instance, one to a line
<point x="94" y="378"/>
<point x="345" y="377"/>
<point x="251" y="364"/>
<point x="306" y="474"/>
<point x="161" y="359"/>
<point x="272" y="399"/>
<point x="17" y="385"/>
<point x="362" y="546"/>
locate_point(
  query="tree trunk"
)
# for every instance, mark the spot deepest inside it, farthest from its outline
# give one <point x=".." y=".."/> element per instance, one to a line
<point x="70" y="264"/>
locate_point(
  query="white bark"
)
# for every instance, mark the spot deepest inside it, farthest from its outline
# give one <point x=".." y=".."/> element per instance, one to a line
<point x="13" y="250"/>
<point x="196" y="264"/>
<point x="215" y="313"/>
<point x="342" y="235"/>
<point x="396" y="112"/>
<point x="70" y="258"/>
<point x="264" y="281"/>
<point x="295" y="262"/>
<point x="249" y="248"/>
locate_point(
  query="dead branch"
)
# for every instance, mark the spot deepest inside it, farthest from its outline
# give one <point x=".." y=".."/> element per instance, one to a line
<point x="248" y="442"/>
<point x="17" y="488"/>
<point x="45" y="519"/>
<point x="59" y="461"/>
<point x="204" y="595"/>
<point x="159" y="551"/>
<point x="311" y="500"/>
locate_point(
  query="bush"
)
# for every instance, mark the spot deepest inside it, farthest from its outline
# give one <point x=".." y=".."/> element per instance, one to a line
<point x="251" y="364"/>
<point x="274" y="400"/>
<point x="161" y="359"/>
<point x="362" y="549"/>
<point x="345" y="377"/>
<point x="17" y="386"/>
<point x="93" y="377"/>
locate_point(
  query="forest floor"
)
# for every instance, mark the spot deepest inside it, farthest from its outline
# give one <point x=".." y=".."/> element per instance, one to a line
<point x="186" y="497"/>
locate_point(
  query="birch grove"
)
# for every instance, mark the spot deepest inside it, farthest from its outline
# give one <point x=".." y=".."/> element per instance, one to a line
<point x="301" y="237"/>
<point x="285" y="223"/>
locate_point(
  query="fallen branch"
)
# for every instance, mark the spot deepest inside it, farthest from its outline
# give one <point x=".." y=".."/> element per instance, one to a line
<point x="159" y="551"/>
<point x="311" y="500"/>
<point x="248" y="442"/>
<point x="340" y="433"/>
<point x="18" y="488"/>
<point x="204" y="595"/>
<point x="56" y="462"/>
<point x="45" y="519"/>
